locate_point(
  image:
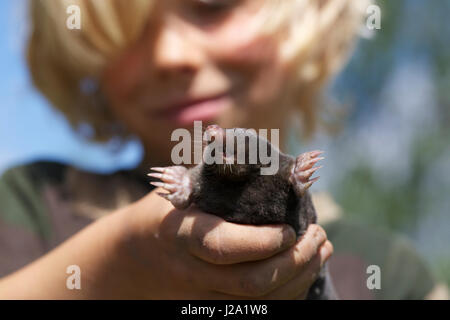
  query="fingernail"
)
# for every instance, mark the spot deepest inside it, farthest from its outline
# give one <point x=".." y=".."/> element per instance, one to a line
<point x="289" y="236"/>
<point x="325" y="253"/>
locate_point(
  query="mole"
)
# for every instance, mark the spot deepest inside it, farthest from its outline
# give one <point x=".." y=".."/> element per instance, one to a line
<point x="234" y="188"/>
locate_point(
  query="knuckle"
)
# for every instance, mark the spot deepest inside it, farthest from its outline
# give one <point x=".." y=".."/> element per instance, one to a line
<point x="329" y="247"/>
<point x="318" y="233"/>
<point x="302" y="256"/>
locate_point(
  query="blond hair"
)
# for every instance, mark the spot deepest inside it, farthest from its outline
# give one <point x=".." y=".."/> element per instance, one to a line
<point x="317" y="36"/>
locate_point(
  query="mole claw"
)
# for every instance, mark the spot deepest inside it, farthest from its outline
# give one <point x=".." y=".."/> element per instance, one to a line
<point x="308" y="173"/>
<point x="316" y="153"/>
<point x="164" y="195"/>
<point x="158" y="184"/>
<point x="156" y="175"/>
<point x="305" y="186"/>
<point x="304" y="169"/>
<point x="315" y="160"/>
<point x="311" y="163"/>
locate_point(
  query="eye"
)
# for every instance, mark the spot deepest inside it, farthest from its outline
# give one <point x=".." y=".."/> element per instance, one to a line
<point x="214" y="4"/>
<point x="205" y="9"/>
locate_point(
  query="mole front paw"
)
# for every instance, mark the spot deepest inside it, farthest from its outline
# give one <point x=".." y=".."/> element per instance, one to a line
<point x="177" y="182"/>
<point x="303" y="170"/>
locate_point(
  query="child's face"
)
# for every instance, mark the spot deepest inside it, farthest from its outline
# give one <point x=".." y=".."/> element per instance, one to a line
<point x="198" y="60"/>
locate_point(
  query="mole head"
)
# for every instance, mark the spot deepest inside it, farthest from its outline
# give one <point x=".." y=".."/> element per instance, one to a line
<point x="231" y="153"/>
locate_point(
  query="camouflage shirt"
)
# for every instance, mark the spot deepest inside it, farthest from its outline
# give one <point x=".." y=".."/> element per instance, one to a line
<point x="44" y="203"/>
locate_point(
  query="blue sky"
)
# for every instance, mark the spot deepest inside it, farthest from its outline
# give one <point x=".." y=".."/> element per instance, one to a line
<point x="29" y="128"/>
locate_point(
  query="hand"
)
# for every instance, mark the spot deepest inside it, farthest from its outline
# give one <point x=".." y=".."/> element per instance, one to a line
<point x="149" y="250"/>
<point x="193" y="255"/>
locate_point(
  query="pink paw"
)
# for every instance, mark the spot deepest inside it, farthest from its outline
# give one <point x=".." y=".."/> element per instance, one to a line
<point x="303" y="170"/>
<point x="176" y="181"/>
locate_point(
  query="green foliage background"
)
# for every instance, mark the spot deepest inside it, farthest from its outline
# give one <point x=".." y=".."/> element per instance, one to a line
<point x="410" y="52"/>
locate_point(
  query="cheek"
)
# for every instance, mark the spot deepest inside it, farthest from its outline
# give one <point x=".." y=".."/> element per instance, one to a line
<point x="124" y="74"/>
<point x="254" y="62"/>
<point x="267" y="76"/>
<point x="121" y="80"/>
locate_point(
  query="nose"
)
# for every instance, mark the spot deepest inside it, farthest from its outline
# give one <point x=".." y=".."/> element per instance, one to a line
<point x="213" y="132"/>
<point x="174" y="51"/>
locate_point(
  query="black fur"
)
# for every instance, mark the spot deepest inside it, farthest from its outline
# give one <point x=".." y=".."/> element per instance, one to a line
<point x="254" y="198"/>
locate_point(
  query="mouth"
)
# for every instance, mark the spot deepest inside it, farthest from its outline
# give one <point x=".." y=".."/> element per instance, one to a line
<point x="186" y="111"/>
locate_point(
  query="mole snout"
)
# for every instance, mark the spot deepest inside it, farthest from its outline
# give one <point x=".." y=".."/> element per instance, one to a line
<point x="213" y="132"/>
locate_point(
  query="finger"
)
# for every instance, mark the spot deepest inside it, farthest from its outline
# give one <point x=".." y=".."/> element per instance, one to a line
<point x="298" y="287"/>
<point x="256" y="279"/>
<point x="216" y="241"/>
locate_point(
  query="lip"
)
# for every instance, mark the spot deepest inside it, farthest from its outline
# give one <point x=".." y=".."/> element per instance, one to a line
<point x="186" y="111"/>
